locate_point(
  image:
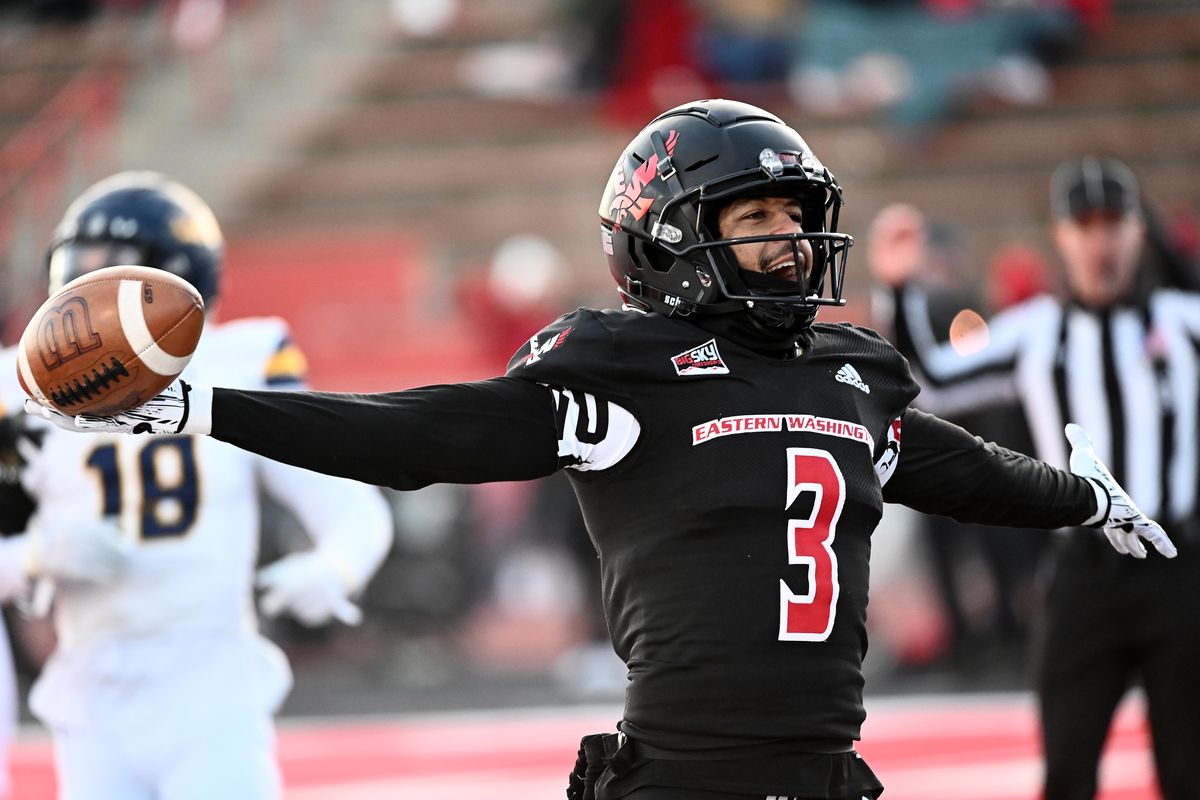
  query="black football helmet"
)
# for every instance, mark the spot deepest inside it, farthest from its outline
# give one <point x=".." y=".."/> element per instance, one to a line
<point x="139" y="218"/>
<point x="659" y="210"/>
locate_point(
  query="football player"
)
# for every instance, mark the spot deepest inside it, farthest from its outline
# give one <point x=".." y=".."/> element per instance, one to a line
<point x="731" y="457"/>
<point x="14" y="510"/>
<point x="160" y="687"/>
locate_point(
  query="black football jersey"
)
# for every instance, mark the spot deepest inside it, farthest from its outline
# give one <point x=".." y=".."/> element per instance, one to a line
<point x="731" y="497"/>
<point x="734" y="538"/>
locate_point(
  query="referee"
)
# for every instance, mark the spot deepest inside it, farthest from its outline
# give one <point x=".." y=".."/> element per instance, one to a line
<point x="1121" y="357"/>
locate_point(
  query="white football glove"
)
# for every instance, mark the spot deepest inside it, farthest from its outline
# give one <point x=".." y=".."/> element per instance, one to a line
<point x="165" y="413"/>
<point x="1123" y="523"/>
<point x="83" y="550"/>
<point x="309" y="586"/>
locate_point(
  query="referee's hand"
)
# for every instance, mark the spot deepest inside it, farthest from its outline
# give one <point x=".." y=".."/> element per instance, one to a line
<point x="1123" y="523"/>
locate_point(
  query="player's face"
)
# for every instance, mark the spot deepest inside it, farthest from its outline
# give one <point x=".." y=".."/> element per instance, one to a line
<point x="1100" y="251"/>
<point x="766" y="216"/>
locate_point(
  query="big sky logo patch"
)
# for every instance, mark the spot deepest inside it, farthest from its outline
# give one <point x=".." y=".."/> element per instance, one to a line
<point x="702" y="360"/>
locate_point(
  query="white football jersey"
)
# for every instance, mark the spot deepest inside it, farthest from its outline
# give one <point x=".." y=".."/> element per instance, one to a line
<point x="188" y="503"/>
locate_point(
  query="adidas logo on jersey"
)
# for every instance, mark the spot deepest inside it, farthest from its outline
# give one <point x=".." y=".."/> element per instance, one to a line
<point x="702" y="360"/>
<point x="848" y="374"/>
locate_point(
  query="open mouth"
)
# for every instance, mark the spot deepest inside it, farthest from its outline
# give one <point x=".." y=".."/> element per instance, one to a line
<point x="782" y="269"/>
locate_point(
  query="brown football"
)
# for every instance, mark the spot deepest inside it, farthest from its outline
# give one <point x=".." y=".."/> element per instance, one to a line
<point x="110" y="340"/>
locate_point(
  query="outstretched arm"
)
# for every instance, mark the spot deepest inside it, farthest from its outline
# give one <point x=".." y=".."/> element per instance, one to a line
<point x="496" y="430"/>
<point x="502" y="429"/>
<point x="942" y="469"/>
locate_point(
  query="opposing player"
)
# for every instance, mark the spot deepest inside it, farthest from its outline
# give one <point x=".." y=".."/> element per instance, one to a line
<point x="14" y="510"/>
<point x="730" y="455"/>
<point x="160" y="687"/>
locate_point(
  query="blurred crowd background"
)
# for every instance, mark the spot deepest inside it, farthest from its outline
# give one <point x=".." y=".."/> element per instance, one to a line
<point x="413" y="185"/>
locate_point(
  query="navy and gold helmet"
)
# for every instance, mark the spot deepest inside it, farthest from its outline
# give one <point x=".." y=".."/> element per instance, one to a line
<point x="658" y="216"/>
<point x="140" y="218"/>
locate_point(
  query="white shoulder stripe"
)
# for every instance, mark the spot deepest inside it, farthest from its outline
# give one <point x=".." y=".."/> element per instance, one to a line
<point x="594" y="433"/>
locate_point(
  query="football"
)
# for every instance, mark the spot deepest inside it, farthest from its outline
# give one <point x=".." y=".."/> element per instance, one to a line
<point x="110" y="340"/>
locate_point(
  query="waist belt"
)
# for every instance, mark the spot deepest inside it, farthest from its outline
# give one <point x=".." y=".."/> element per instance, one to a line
<point x="820" y="746"/>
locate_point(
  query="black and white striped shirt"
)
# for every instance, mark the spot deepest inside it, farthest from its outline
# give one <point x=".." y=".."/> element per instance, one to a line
<point x="1130" y="375"/>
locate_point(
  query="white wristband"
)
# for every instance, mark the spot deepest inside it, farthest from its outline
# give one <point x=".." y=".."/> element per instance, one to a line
<point x="1103" y="503"/>
<point x="199" y="420"/>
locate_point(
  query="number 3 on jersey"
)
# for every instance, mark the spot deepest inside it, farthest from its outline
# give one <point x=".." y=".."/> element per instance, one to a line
<point x="809" y="617"/>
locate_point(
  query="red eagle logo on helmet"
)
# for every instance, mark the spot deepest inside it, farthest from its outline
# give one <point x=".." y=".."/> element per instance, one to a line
<point x="629" y="199"/>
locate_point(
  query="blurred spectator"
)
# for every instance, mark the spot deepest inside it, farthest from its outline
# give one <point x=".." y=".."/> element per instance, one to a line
<point x="72" y="11"/>
<point x="986" y="584"/>
<point x="920" y="61"/>
<point x="745" y="41"/>
<point x="63" y="10"/>
<point x="593" y="29"/>
<point x="1185" y="236"/>
<point x="530" y="529"/>
<point x="1172" y="247"/>
<point x="424" y="590"/>
<point x="1096" y="15"/>
<point x="639" y="55"/>
<point x="424" y="18"/>
<point x="197" y="24"/>
<point x="521" y="290"/>
<point x="1016" y="273"/>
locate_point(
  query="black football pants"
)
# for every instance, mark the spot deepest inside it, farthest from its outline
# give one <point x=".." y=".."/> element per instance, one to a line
<point x="1114" y="622"/>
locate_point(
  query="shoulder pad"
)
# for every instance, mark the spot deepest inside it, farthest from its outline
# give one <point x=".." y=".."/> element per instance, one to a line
<point x="579" y="350"/>
<point x="261" y="349"/>
<point x="580" y="328"/>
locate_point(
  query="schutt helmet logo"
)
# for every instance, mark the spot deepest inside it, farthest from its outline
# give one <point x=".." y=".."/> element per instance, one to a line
<point x="67" y="332"/>
<point x="630" y="199"/>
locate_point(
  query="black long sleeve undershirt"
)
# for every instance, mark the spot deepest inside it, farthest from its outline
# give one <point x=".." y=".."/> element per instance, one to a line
<point x="500" y="429"/>
<point x="503" y="429"/>
<point x="945" y="470"/>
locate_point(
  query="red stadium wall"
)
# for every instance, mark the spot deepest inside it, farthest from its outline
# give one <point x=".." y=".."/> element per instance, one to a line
<point x="365" y="308"/>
